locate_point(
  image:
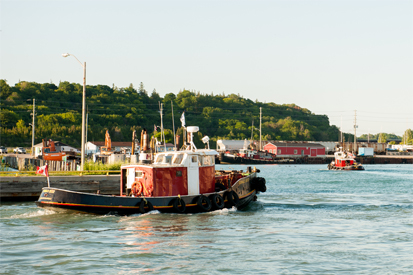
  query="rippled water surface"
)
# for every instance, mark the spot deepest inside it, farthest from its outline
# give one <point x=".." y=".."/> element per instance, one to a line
<point x="310" y="221"/>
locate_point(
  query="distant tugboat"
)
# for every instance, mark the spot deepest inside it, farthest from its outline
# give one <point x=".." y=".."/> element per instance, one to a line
<point x="176" y="181"/>
<point x="344" y="161"/>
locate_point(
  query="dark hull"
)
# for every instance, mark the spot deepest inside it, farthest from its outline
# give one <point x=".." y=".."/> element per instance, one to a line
<point x="125" y="205"/>
<point x="240" y="160"/>
<point x="346" y="168"/>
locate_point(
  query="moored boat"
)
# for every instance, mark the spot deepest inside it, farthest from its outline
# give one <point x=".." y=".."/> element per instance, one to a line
<point x="344" y="161"/>
<point x="176" y="181"/>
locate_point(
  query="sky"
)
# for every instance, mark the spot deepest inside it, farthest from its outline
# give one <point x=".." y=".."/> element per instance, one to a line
<point x="345" y="59"/>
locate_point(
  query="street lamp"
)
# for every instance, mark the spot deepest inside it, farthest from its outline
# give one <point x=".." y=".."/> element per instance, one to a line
<point x="82" y="157"/>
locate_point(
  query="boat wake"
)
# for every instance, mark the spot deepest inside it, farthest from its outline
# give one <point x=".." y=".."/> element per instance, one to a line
<point x="38" y="213"/>
<point x="224" y="211"/>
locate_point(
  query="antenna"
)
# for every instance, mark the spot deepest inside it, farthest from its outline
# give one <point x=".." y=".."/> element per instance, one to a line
<point x="355" y="127"/>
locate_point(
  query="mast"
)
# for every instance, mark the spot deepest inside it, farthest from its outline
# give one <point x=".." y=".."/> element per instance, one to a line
<point x="173" y="123"/>
<point x="162" y="132"/>
<point x="252" y="132"/>
<point x="355" y="127"/>
<point x="260" y="125"/>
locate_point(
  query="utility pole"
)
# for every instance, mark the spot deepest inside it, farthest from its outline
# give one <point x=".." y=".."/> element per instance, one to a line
<point x="87" y="119"/>
<point x="260" y="125"/>
<point x="83" y="143"/>
<point x="33" y="125"/>
<point x="355" y="127"/>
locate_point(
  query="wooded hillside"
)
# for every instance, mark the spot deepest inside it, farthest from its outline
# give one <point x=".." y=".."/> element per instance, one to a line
<point x="122" y="110"/>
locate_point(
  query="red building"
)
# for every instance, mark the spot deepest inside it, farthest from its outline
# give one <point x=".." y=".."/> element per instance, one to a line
<point x="295" y="149"/>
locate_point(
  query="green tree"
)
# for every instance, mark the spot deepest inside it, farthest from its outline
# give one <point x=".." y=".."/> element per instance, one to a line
<point x="4" y="89"/>
<point x="382" y="138"/>
<point x="408" y="137"/>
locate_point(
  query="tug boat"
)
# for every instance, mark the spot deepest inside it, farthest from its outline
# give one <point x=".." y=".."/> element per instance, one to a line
<point x="344" y="161"/>
<point x="182" y="181"/>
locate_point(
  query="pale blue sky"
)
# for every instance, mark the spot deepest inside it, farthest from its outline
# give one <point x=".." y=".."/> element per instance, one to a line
<point x="331" y="57"/>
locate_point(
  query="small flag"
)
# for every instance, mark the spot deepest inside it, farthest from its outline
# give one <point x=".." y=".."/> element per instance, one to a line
<point x="183" y="119"/>
<point x="42" y="170"/>
<point x="154" y="128"/>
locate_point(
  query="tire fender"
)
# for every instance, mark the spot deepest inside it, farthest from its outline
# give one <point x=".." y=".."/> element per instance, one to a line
<point x="203" y="203"/>
<point x="179" y="205"/>
<point x="232" y="198"/>
<point x="217" y="201"/>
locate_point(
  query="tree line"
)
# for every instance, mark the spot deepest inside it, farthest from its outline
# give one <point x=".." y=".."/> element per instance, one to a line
<point x="123" y="110"/>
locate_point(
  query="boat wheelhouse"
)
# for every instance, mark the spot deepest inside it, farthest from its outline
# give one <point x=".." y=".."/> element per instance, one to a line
<point x="171" y="174"/>
<point x="344" y="161"/>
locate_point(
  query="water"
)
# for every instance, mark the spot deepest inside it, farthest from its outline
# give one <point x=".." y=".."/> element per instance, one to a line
<point x="310" y="221"/>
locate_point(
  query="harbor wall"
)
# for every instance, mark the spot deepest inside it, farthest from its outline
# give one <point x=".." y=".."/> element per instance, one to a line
<point x="361" y="159"/>
<point x="29" y="188"/>
<point x="378" y="159"/>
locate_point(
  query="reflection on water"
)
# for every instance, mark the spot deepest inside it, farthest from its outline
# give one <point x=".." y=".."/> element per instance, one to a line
<point x="310" y="221"/>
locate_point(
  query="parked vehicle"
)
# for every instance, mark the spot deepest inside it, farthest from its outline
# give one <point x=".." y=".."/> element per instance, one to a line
<point x="19" y="150"/>
<point x="3" y="150"/>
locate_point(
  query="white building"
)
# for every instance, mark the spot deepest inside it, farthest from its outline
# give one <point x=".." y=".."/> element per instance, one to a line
<point x="229" y="145"/>
<point x="93" y="147"/>
<point x="60" y="147"/>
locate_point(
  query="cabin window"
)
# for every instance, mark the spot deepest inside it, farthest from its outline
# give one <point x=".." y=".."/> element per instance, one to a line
<point x="208" y="160"/>
<point x="200" y="161"/>
<point x="159" y="158"/>
<point x="168" y="159"/>
<point x="178" y="159"/>
<point x="279" y="151"/>
<point x="163" y="159"/>
<point x="295" y="152"/>
<point x="194" y="159"/>
<point x="138" y="174"/>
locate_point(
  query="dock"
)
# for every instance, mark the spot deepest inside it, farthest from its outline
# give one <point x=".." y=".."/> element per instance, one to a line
<point x="29" y="188"/>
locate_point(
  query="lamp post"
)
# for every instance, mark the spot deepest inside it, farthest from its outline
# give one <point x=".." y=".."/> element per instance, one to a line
<point x="82" y="157"/>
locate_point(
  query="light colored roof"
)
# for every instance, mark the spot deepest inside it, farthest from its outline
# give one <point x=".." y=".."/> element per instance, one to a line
<point x="113" y="143"/>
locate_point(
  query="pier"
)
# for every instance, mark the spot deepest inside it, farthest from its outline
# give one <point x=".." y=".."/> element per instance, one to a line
<point x="26" y="188"/>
